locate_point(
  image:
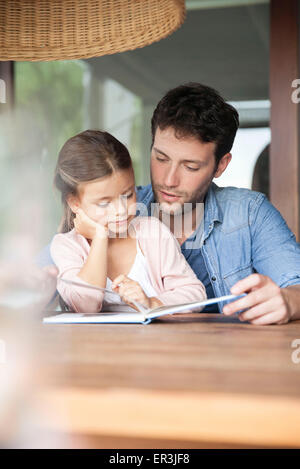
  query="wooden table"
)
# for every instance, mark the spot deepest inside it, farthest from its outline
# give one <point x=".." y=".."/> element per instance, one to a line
<point x="197" y="380"/>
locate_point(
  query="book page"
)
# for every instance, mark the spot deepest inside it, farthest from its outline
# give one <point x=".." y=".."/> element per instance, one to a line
<point x="103" y="318"/>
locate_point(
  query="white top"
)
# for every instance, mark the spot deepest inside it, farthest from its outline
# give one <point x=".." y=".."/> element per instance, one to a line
<point x="171" y="276"/>
<point x="138" y="272"/>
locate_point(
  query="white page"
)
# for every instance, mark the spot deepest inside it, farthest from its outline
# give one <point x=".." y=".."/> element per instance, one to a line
<point x="187" y="307"/>
<point x="103" y="318"/>
<point x="134" y="317"/>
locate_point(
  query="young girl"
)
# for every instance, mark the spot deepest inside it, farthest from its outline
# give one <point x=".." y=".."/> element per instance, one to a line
<point x="102" y="242"/>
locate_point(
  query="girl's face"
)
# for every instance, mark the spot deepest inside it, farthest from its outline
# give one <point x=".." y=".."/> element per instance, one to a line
<point x="110" y="200"/>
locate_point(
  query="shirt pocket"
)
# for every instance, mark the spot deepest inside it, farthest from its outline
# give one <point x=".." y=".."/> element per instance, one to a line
<point x="232" y="277"/>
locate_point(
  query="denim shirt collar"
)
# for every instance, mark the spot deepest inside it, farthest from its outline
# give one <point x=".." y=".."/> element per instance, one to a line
<point x="212" y="210"/>
<point x="148" y="200"/>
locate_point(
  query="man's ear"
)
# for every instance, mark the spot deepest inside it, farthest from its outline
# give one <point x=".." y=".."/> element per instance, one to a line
<point x="73" y="202"/>
<point x="223" y="163"/>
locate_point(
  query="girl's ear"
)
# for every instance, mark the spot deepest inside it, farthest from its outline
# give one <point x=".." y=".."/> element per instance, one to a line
<point x="73" y="203"/>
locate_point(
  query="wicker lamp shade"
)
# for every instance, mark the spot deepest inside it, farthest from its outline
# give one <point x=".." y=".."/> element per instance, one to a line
<point x="42" y="30"/>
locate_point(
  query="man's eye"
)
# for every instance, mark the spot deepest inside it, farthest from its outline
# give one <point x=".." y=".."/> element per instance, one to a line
<point x="161" y="159"/>
<point x="103" y="204"/>
<point x="192" y="169"/>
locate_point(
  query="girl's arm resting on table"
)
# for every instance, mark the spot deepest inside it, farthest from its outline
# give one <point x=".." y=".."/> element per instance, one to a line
<point x="69" y="260"/>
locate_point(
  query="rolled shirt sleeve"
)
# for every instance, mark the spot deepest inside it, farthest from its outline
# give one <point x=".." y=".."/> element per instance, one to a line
<point x="275" y="251"/>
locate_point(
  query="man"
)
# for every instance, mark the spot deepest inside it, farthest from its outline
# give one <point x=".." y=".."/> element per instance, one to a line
<point x="239" y="243"/>
<point x="244" y="245"/>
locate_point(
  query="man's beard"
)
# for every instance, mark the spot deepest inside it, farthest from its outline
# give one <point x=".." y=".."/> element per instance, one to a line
<point x="189" y="200"/>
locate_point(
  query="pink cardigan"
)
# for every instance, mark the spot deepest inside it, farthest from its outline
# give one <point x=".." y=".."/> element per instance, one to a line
<point x="170" y="274"/>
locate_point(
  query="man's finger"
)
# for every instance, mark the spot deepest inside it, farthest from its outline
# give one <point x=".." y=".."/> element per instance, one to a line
<point x="268" y="319"/>
<point x="246" y="284"/>
<point x="261" y="309"/>
<point x="251" y="299"/>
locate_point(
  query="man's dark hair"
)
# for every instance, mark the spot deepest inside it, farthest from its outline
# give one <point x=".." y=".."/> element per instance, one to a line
<point x="197" y="110"/>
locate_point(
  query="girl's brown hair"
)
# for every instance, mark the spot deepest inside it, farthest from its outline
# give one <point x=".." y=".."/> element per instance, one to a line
<point x="92" y="154"/>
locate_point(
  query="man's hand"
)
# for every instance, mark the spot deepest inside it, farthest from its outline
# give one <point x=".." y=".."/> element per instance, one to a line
<point x="265" y="302"/>
<point x="87" y="227"/>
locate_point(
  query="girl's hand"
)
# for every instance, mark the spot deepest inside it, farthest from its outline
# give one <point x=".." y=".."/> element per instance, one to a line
<point x="87" y="227"/>
<point x="130" y="290"/>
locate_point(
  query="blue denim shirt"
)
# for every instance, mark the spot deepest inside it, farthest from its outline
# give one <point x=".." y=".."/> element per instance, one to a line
<point x="243" y="233"/>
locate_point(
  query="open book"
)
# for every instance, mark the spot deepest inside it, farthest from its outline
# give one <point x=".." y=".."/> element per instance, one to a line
<point x="121" y="314"/>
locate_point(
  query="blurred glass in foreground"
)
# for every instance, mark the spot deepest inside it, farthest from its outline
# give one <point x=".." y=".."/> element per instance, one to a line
<point x="25" y="290"/>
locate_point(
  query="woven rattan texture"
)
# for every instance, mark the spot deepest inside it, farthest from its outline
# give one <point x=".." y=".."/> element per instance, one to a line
<point x="42" y="30"/>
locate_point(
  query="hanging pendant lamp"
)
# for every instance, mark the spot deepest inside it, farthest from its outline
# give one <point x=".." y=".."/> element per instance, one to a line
<point x="42" y="30"/>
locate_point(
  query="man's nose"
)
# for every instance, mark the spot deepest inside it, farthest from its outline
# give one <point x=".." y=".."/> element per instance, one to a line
<point x="171" y="177"/>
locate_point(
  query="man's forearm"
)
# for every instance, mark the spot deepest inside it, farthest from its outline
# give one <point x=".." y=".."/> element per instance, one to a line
<point x="292" y="297"/>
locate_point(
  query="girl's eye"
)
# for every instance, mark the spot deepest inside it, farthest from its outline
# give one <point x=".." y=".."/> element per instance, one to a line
<point x="128" y="196"/>
<point x="124" y="196"/>
<point x="103" y="204"/>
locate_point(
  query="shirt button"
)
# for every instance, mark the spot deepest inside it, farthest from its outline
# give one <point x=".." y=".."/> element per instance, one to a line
<point x="213" y="278"/>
